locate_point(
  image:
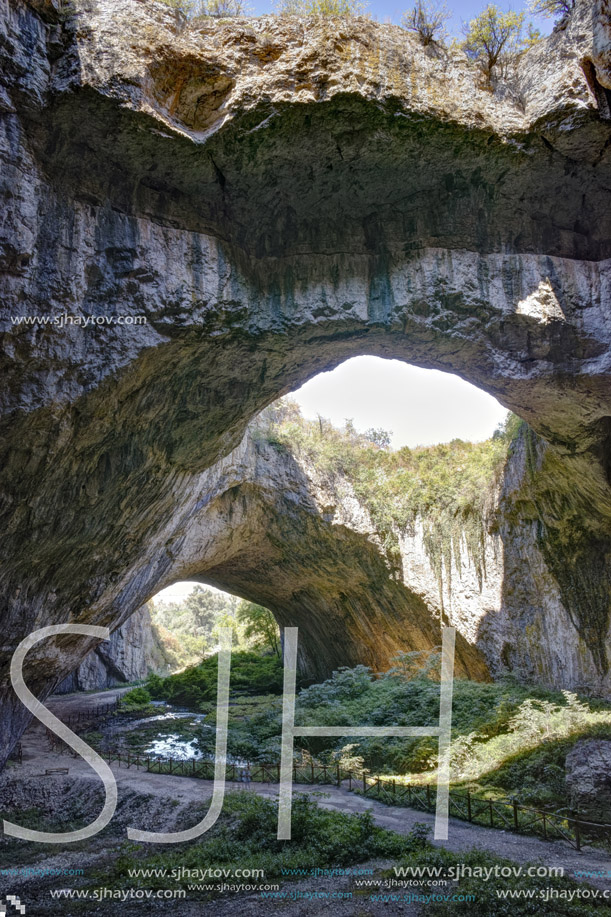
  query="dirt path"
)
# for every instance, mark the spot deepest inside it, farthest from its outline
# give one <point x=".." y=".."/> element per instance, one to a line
<point x="462" y="836"/>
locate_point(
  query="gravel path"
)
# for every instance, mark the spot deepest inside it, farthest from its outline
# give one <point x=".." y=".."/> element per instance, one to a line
<point x="462" y="835"/>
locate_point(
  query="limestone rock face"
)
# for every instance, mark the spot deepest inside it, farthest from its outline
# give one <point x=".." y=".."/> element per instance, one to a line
<point x="536" y="602"/>
<point x="132" y="653"/>
<point x="277" y="531"/>
<point x="235" y="206"/>
<point x="588" y="767"/>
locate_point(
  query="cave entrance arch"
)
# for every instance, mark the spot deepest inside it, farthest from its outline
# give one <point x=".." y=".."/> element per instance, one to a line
<point x="275" y="530"/>
<point x="458" y="230"/>
<point x="139" y="457"/>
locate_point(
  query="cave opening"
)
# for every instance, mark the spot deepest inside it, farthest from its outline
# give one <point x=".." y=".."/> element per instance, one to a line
<point x="388" y="408"/>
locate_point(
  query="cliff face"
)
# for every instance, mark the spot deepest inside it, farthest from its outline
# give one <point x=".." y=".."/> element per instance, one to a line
<point x="238" y="206"/>
<point x="273" y="526"/>
<point x="131" y="654"/>
<point x="535" y="600"/>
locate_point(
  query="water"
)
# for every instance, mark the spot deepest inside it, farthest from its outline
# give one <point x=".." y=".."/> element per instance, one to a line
<point x="168" y="743"/>
<point x="174" y="746"/>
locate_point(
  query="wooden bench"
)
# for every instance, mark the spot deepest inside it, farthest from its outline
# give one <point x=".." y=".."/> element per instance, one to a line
<point x="56" y="770"/>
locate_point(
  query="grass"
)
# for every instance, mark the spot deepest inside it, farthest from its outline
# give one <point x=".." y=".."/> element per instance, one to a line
<point x="251" y="674"/>
<point x="508" y="739"/>
<point x="245" y="837"/>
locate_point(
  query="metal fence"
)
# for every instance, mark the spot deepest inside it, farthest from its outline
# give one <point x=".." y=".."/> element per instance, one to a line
<point x="507" y="814"/>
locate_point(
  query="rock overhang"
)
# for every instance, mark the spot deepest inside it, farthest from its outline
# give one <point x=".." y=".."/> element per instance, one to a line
<point x="267" y="234"/>
<point x="347" y="138"/>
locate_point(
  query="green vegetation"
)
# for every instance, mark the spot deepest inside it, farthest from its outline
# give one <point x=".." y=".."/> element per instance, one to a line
<point x="245" y="837"/>
<point x="494" y="37"/>
<point x="136" y="701"/>
<point x="427" y="18"/>
<point x="556" y="8"/>
<point x="260" y="627"/>
<point x="495" y="40"/>
<point x="187" y="630"/>
<point x="448" y="487"/>
<point x="251" y="674"/>
<point x="507" y="738"/>
<point x="254" y="729"/>
<point x="325" y="8"/>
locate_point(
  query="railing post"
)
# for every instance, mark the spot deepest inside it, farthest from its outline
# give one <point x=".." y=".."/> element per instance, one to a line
<point x="339" y="779"/>
<point x="428" y="795"/>
<point x="577" y="833"/>
<point x="516" y="823"/>
<point x="469" y="815"/>
<point x="544" y="827"/>
<point x="491" y="813"/>
<point x="364" y="782"/>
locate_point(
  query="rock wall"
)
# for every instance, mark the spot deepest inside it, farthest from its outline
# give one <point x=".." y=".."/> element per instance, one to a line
<point x="275" y="528"/>
<point x="132" y="653"/>
<point x="587" y="779"/>
<point x="536" y="603"/>
<point x="236" y="206"/>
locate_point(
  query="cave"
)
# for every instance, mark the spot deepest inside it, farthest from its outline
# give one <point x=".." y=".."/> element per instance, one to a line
<point x="389" y="205"/>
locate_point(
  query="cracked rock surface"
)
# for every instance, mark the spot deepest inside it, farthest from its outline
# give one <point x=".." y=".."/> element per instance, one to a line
<point x="240" y="205"/>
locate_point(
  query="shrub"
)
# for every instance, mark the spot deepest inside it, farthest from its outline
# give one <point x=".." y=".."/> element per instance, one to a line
<point x="327" y="9"/>
<point x="427" y="19"/>
<point x="251" y="674"/>
<point x="137" y="699"/>
<point x="557" y="8"/>
<point x="494" y="38"/>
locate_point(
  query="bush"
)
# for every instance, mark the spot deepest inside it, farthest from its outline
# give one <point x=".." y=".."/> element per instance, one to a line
<point x="251" y="674"/>
<point x="137" y="699"/>
<point x="427" y="19"/>
<point x="325" y="8"/>
<point x="494" y="38"/>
